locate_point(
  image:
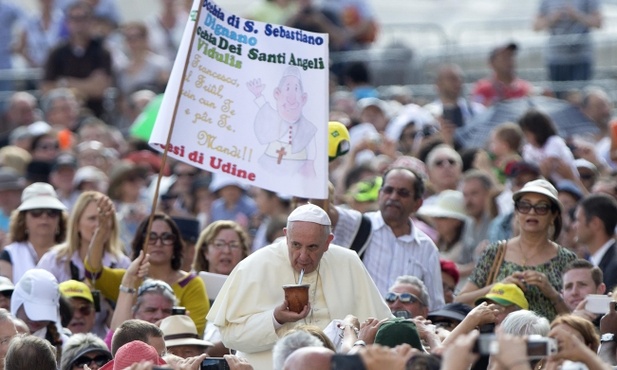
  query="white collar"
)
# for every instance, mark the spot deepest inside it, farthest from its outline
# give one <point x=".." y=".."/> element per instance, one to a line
<point x="597" y="257"/>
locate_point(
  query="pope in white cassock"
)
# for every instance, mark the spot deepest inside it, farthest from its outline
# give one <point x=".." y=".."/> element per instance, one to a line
<point x="251" y="311"/>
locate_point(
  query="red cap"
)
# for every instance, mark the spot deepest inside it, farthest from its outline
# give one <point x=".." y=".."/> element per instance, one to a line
<point x="449" y="267"/>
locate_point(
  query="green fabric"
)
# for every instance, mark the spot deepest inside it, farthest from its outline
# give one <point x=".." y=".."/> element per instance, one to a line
<point x="144" y="123"/>
<point x="398" y="331"/>
<point x="537" y="301"/>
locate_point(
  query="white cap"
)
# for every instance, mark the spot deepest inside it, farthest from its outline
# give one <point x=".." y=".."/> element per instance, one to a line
<point x="310" y="213"/>
<point x="38" y="292"/>
<point x="6" y="284"/>
<point x="38" y="196"/>
<point x="91" y="174"/>
<point x="221" y="180"/>
<point x="39" y="128"/>
<point x="449" y="204"/>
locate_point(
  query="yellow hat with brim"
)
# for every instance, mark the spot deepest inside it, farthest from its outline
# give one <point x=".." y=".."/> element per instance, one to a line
<point x="338" y="140"/>
<point x="76" y="289"/>
<point x="505" y="295"/>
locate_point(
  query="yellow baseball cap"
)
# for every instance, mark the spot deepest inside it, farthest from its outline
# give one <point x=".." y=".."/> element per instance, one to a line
<point x="338" y="140"/>
<point x="75" y="289"/>
<point x="505" y="295"/>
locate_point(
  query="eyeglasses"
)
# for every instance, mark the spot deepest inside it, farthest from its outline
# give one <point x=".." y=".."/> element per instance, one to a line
<point x="401" y="192"/>
<point x="426" y="131"/>
<point x="78" y="18"/>
<point x="442" y="162"/>
<point x="186" y="174"/>
<point x="220" y="244"/>
<point x="391" y="297"/>
<point x="133" y="178"/>
<point x="84" y="309"/>
<point x="52" y="213"/>
<point x="540" y="208"/>
<point x="55" y="146"/>
<point x="166" y="238"/>
<point x="99" y="360"/>
<point x="150" y="285"/>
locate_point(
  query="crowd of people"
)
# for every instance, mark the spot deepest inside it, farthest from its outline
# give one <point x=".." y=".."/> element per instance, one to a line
<point x="427" y="254"/>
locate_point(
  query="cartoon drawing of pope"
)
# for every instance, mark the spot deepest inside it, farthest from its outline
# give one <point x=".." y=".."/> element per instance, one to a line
<point x="289" y="136"/>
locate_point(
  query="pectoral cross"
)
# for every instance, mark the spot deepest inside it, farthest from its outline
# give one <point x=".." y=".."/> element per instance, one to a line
<point x="281" y="152"/>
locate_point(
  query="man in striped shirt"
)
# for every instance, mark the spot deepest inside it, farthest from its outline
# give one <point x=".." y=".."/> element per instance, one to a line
<point x="396" y="246"/>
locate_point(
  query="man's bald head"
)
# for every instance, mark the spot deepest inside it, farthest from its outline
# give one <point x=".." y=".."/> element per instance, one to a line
<point x="309" y="358"/>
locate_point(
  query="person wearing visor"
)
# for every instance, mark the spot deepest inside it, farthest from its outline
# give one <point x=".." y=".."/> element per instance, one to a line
<point x="408" y="294"/>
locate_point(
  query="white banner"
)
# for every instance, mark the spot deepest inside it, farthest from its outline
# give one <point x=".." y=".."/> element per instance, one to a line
<point x="249" y="99"/>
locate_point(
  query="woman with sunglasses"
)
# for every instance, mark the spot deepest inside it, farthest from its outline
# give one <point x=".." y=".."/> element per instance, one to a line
<point x="82" y="350"/>
<point x="532" y="260"/>
<point x="165" y="258"/>
<point x="36" y="225"/>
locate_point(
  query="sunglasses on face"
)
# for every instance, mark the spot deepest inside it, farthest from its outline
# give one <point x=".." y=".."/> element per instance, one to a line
<point x="48" y="146"/>
<point x="52" y="213"/>
<point x="391" y="297"/>
<point x="526" y="207"/>
<point x="99" y="360"/>
<point x="166" y="238"/>
<point x="401" y="192"/>
<point x="442" y="162"/>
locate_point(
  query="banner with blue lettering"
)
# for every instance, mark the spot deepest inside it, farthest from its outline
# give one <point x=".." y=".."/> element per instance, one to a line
<point x="249" y="99"/>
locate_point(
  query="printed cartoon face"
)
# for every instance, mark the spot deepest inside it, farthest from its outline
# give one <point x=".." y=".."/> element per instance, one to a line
<point x="290" y="98"/>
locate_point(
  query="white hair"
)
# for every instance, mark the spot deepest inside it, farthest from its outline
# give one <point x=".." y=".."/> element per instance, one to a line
<point x="524" y="322"/>
<point x="289" y="343"/>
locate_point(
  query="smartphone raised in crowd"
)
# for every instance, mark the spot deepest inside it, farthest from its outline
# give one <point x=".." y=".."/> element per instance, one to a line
<point x="177" y="310"/>
<point x="214" y="363"/>
<point x="598" y="303"/>
<point x="538" y="346"/>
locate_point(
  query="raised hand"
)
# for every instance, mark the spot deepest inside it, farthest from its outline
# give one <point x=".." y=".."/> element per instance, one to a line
<point x="256" y="87"/>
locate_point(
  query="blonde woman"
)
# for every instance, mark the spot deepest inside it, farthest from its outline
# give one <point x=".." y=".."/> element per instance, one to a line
<point x="220" y="247"/>
<point x="65" y="260"/>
